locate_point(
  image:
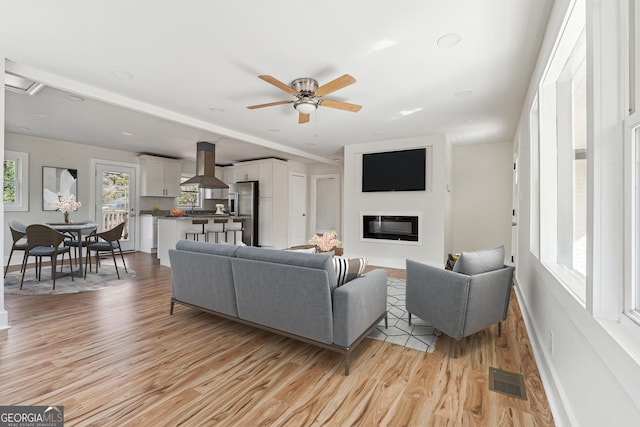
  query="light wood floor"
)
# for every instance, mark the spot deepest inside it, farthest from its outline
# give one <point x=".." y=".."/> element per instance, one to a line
<point x="116" y="357"/>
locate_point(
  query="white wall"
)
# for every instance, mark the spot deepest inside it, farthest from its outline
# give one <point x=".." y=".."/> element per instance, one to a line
<point x="481" y="212"/>
<point x="429" y="204"/>
<point x="591" y="366"/>
<point x="4" y="316"/>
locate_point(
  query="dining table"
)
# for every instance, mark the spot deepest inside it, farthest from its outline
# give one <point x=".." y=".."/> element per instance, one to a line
<point x="76" y="228"/>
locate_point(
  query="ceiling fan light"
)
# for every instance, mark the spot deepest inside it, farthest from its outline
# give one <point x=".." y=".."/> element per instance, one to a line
<point x="305" y="107"/>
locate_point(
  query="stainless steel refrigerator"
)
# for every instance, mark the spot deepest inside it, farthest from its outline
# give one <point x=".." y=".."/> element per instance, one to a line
<point x="245" y="196"/>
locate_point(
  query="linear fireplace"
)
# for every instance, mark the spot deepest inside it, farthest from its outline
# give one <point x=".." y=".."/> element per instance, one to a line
<point x="390" y="227"/>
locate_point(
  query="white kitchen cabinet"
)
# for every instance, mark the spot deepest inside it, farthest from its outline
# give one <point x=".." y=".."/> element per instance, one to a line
<point x="159" y="177"/>
<point x="249" y="171"/>
<point x="148" y="233"/>
<point x="265" y="224"/>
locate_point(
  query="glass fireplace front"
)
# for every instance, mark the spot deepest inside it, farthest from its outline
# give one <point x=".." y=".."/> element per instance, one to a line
<point x="388" y="227"/>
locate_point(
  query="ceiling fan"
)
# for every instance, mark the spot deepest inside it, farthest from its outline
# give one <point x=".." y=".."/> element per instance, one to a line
<point x="309" y="95"/>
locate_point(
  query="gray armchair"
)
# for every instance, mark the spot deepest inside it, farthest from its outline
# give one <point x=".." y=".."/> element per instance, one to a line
<point x="459" y="303"/>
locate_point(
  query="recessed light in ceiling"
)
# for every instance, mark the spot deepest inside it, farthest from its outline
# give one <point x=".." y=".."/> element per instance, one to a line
<point x="449" y="40"/>
<point x="121" y="74"/>
<point x="382" y="44"/>
<point x="470" y="120"/>
<point x="409" y="112"/>
<point x="274" y="130"/>
<point x="311" y="143"/>
<point x="75" y="98"/>
<point x="216" y="110"/>
<point x="23" y="128"/>
<point x="463" y="93"/>
<point x="42" y="115"/>
<point x="127" y="133"/>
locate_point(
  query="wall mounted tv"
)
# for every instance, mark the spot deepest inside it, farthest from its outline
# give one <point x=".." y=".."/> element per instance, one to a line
<point x="394" y="170"/>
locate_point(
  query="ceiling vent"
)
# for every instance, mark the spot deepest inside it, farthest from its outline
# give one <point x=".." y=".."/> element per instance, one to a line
<point x="19" y="84"/>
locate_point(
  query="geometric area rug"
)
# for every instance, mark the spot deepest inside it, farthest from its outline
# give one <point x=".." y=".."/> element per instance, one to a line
<point x="106" y="278"/>
<point x="419" y="335"/>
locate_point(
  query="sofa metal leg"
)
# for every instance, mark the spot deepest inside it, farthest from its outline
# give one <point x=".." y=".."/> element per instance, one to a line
<point x="171" y="309"/>
<point x="499" y="329"/>
<point x="409" y="319"/>
<point x="386" y="320"/>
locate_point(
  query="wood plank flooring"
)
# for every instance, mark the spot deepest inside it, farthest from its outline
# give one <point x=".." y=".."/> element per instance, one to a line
<point x="116" y="357"/>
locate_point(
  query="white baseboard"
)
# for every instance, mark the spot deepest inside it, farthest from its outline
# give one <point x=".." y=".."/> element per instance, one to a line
<point x="561" y="416"/>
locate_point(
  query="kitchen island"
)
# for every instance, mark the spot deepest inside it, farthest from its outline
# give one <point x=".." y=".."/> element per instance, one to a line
<point x="171" y="229"/>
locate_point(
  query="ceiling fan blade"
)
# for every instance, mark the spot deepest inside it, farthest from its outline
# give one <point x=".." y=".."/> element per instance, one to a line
<point x="334" y="85"/>
<point x="354" y="108"/>
<point x="277" y="83"/>
<point x="270" y="104"/>
<point x="303" y="118"/>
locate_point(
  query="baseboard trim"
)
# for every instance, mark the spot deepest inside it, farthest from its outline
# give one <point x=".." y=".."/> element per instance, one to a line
<point x="561" y="416"/>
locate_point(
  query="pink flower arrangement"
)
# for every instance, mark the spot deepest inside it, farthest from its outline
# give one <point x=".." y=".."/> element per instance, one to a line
<point x="326" y="242"/>
<point x="65" y="205"/>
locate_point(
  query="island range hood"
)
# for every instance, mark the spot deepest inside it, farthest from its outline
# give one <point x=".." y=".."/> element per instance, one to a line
<point x="206" y="167"/>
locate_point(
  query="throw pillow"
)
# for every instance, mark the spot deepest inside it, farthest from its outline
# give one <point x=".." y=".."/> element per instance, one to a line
<point x="451" y="261"/>
<point x="348" y="269"/>
<point x="471" y="263"/>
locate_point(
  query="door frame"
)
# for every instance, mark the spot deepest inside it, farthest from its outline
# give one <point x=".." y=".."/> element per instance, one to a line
<point x="134" y="201"/>
<point x="292" y="197"/>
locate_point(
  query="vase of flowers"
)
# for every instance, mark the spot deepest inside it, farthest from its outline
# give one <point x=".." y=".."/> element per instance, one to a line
<point x="325" y="242"/>
<point x="66" y="205"/>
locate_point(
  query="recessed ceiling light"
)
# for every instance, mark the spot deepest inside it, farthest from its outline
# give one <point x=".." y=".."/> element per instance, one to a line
<point x="449" y="40"/>
<point x="382" y="44"/>
<point x="409" y="112"/>
<point x="23" y="128"/>
<point x="378" y="133"/>
<point x="75" y="98"/>
<point x="42" y="115"/>
<point x="274" y="130"/>
<point x="470" y="120"/>
<point x="463" y="93"/>
<point x="311" y="143"/>
<point x="127" y="133"/>
<point x="121" y="74"/>
<point x="216" y="110"/>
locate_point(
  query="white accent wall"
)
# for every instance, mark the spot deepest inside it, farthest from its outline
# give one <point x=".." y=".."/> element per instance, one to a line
<point x="4" y="316"/>
<point x="429" y="205"/>
<point x="481" y="211"/>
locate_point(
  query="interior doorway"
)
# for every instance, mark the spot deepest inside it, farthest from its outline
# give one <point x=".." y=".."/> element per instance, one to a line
<point x="325" y="203"/>
<point x="115" y="200"/>
<point x="297" y="209"/>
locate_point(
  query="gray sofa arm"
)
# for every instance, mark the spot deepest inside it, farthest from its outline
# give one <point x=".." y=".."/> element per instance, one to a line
<point x="438" y="296"/>
<point x="357" y="305"/>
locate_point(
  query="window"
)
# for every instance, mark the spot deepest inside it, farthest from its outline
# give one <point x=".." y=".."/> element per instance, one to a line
<point x="16" y="181"/>
<point x="563" y="158"/>
<point x="189" y="195"/>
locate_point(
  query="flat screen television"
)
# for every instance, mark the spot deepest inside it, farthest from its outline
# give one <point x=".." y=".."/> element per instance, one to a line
<point x="403" y="170"/>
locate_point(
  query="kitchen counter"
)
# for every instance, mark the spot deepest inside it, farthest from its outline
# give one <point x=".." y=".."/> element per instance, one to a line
<point x="171" y="229"/>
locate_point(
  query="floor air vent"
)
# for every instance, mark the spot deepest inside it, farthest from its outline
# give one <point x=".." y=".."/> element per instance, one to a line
<point x="506" y="382"/>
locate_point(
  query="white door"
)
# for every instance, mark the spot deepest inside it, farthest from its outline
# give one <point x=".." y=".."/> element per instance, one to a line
<point x="115" y="189"/>
<point x="297" y="209"/>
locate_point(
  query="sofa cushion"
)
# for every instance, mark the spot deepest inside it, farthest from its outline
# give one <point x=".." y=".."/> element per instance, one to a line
<point x="477" y="262"/>
<point x="348" y="269"/>
<point x="207" y="248"/>
<point x="317" y="261"/>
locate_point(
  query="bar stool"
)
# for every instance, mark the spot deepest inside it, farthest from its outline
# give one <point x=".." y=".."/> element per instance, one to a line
<point x="195" y="232"/>
<point x="234" y="227"/>
<point x="217" y="229"/>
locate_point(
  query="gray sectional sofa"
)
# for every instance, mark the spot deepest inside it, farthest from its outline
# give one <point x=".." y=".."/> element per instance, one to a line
<point x="290" y="293"/>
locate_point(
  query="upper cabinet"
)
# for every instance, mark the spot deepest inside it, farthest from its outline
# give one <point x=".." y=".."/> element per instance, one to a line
<point x="160" y="177"/>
